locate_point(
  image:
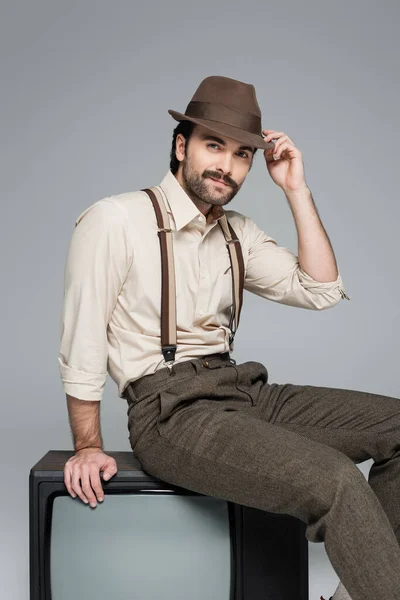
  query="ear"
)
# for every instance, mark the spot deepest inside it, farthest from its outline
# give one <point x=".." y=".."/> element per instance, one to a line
<point x="180" y="146"/>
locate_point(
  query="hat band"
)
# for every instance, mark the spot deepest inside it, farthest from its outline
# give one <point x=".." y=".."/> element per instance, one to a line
<point x="223" y="114"/>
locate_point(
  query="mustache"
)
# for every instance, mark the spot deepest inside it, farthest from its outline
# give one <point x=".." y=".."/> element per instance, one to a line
<point x="218" y="178"/>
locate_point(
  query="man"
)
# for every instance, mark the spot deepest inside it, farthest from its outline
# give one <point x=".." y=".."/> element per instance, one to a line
<point x="207" y="423"/>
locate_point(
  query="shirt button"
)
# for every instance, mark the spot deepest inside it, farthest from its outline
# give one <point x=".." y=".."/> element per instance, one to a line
<point x="201" y="312"/>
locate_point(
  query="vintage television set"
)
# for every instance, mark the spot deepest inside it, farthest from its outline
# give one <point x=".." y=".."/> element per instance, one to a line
<point x="150" y="540"/>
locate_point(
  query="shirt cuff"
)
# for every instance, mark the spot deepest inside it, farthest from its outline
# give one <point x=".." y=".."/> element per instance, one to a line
<point x="81" y="384"/>
<point x="320" y="286"/>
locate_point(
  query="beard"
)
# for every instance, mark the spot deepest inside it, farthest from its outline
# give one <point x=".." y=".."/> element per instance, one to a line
<point x="196" y="185"/>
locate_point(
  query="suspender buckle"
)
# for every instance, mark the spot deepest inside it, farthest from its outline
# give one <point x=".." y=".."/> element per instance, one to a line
<point x="169" y="353"/>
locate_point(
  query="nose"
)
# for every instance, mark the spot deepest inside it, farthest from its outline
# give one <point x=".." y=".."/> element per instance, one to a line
<point x="224" y="165"/>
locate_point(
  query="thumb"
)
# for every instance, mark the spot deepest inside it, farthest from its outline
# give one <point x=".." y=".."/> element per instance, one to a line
<point x="268" y="154"/>
<point x="110" y="468"/>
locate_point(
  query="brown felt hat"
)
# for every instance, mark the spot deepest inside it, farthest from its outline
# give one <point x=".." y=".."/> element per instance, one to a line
<point x="226" y="106"/>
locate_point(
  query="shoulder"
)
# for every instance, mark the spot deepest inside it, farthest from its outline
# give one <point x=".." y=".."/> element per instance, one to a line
<point x="242" y="224"/>
<point x="247" y="229"/>
<point x="117" y="208"/>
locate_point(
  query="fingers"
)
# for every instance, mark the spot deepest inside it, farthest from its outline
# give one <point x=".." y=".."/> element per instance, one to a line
<point x="277" y="137"/>
<point x="95" y="485"/>
<point x="109" y="469"/>
<point x="85" y="485"/>
<point x="82" y="476"/>
<point x="280" y="144"/>
<point x="77" y="475"/>
<point x="279" y="151"/>
<point x="279" y="148"/>
<point x="88" y="474"/>
<point x="271" y="133"/>
<point x="91" y="481"/>
<point x="68" y="480"/>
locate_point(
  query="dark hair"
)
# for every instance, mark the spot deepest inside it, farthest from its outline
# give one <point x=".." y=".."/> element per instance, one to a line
<point x="186" y="128"/>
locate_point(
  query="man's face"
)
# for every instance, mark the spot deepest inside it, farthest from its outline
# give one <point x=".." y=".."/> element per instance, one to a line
<point x="211" y="155"/>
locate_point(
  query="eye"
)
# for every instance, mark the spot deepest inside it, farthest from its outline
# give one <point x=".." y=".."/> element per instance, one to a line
<point x="245" y="155"/>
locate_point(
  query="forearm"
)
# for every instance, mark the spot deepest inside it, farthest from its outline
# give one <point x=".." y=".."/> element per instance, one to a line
<point x="315" y="253"/>
<point x="84" y="419"/>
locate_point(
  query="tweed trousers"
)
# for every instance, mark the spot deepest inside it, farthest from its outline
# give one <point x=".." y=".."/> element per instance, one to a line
<point x="220" y="429"/>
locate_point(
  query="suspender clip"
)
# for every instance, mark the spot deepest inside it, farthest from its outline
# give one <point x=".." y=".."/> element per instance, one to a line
<point x="169" y="357"/>
<point x="170" y="365"/>
<point x="169" y="353"/>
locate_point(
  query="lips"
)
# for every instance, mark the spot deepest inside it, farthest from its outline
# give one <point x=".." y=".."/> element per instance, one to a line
<point x="219" y="181"/>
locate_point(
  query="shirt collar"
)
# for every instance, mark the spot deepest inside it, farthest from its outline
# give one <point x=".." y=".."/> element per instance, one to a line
<point x="181" y="206"/>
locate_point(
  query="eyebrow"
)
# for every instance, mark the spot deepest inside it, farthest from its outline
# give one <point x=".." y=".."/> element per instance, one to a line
<point x="206" y="136"/>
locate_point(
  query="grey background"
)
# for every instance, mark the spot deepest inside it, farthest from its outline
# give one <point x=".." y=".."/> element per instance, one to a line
<point x="85" y="93"/>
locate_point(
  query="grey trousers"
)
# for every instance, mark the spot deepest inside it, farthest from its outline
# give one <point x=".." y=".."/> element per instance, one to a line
<point x="220" y="429"/>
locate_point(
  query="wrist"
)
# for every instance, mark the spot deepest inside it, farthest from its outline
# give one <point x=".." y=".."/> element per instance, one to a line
<point x="293" y="192"/>
<point x="79" y="448"/>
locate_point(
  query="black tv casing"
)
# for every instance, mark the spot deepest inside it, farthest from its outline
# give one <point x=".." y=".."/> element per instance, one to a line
<point x="269" y="551"/>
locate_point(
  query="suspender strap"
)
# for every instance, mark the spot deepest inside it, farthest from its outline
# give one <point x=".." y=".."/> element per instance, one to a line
<point x="168" y="286"/>
<point x="168" y="290"/>
<point x="237" y="272"/>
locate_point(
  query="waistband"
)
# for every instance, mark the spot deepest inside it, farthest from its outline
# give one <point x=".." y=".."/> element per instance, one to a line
<point x="184" y="367"/>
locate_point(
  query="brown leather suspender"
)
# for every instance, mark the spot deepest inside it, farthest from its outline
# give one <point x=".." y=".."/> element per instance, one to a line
<point x="168" y="290"/>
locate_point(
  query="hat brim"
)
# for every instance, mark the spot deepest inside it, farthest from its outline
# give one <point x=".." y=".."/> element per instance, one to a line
<point x="231" y="131"/>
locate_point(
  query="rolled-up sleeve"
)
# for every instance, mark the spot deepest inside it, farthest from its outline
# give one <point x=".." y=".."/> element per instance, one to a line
<point x="274" y="272"/>
<point x="98" y="260"/>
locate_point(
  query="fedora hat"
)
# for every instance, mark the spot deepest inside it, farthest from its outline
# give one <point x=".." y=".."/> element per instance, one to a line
<point x="226" y="106"/>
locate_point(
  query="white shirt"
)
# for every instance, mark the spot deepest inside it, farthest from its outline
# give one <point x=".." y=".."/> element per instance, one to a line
<point x="110" y="320"/>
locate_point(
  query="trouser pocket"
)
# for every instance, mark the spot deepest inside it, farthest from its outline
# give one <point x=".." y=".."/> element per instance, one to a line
<point x="251" y="376"/>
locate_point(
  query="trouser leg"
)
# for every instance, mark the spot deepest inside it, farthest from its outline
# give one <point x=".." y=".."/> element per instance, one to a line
<point x="361" y="425"/>
<point x="226" y="433"/>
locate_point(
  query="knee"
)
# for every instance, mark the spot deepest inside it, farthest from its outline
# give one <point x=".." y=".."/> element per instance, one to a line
<point x="341" y="478"/>
<point x="347" y="490"/>
<point x="344" y="472"/>
<point x="344" y="487"/>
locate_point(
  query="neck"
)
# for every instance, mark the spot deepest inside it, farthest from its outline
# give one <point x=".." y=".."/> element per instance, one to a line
<point x="204" y="207"/>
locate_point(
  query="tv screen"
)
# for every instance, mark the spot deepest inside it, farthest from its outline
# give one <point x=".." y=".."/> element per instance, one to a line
<point x="150" y="540"/>
<point x="132" y="546"/>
